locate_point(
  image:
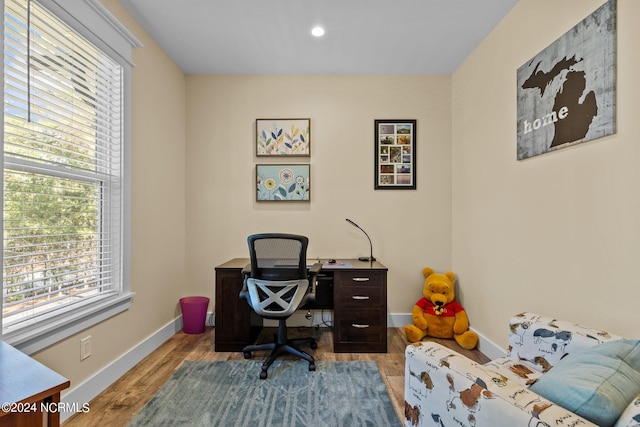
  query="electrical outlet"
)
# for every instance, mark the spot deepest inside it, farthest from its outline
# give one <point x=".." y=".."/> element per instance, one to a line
<point x="85" y="347"/>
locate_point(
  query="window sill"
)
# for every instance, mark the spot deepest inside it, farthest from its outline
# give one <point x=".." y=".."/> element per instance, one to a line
<point x="31" y="340"/>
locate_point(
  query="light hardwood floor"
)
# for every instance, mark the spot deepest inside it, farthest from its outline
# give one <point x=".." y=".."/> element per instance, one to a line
<point x="119" y="403"/>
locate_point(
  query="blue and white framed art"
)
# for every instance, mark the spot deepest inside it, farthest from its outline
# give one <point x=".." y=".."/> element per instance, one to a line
<point x="283" y="183"/>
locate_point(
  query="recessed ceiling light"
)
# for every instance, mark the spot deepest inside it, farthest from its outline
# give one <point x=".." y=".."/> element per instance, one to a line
<point x="317" y="31"/>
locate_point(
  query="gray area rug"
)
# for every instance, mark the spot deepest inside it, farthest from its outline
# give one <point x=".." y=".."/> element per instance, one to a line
<point x="231" y="394"/>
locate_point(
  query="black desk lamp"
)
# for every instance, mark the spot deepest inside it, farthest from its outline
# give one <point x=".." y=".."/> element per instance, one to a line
<point x="371" y="258"/>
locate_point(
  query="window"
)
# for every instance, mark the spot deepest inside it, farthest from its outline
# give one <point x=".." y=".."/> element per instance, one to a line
<point x="65" y="180"/>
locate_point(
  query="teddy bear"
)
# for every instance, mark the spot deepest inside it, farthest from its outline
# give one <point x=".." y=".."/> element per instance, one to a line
<point x="438" y="315"/>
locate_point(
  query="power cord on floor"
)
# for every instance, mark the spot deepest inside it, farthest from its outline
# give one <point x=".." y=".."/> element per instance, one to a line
<point x="324" y="323"/>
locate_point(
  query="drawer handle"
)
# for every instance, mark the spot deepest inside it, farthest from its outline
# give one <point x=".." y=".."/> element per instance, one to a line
<point x="360" y="279"/>
<point x="356" y="325"/>
<point x="360" y="297"/>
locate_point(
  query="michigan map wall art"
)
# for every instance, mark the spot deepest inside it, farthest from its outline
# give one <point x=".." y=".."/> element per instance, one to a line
<point x="567" y="93"/>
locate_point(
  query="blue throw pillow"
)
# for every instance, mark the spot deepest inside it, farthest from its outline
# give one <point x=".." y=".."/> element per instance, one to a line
<point x="596" y="384"/>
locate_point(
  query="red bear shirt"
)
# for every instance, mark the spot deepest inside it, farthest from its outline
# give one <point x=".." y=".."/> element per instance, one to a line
<point x="449" y="309"/>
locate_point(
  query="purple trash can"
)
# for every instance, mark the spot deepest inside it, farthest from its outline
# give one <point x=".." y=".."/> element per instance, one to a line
<point x="194" y="314"/>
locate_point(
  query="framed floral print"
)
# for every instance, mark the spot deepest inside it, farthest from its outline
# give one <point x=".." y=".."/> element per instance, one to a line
<point x="283" y="183"/>
<point x="283" y="137"/>
<point x="395" y="154"/>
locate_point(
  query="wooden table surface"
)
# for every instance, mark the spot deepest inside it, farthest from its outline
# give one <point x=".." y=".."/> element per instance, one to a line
<point x="25" y="383"/>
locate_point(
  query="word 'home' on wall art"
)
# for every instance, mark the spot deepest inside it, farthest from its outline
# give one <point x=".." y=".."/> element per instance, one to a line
<point x="567" y="92"/>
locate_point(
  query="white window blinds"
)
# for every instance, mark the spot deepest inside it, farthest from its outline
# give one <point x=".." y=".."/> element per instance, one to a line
<point x="63" y="138"/>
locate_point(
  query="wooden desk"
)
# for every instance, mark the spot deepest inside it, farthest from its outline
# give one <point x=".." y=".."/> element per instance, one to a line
<point x="359" y="307"/>
<point x="28" y="389"/>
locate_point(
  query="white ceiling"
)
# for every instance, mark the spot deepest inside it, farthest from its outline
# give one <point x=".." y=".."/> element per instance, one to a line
<point x="362" y="36"/>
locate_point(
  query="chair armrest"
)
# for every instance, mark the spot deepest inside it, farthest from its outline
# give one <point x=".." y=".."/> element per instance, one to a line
<point x="542" y="341"/>
<point x="246" y="270"/>
<point x="244" y="292"/>
<point x="312" y="275"/>
<point x="442" y="387"/>
<point x="315" y="269"/>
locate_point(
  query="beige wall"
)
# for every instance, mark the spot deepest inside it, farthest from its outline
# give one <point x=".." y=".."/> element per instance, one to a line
<point x="158" y="215"/>
<point x="551" y="234"/>
<point x="409" y="229"/>
<point x="559" y="233"/>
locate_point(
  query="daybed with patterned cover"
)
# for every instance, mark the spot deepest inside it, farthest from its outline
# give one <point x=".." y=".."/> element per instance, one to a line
<point x="593" y="374"/>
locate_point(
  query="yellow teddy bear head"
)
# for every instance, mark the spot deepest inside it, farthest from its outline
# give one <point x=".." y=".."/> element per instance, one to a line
<point x="438" y="288"/>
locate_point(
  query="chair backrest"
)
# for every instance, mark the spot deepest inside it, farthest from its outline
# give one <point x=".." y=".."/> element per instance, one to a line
<point x="278" y="280"/>
<point x="278" y="256"/>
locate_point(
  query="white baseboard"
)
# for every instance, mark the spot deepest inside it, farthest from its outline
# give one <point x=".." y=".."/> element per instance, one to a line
<point x="489" y="348"/>
<point x="485" y="345"/>
<point x="210" y="320"/>
<point x="77" y="397"/>
<point x="325" y="317"/>
<point x="398" y="320"/>
<point x="394" y="320"/>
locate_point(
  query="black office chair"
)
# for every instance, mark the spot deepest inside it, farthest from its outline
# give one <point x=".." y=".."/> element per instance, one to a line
<point x="276" y="284"/>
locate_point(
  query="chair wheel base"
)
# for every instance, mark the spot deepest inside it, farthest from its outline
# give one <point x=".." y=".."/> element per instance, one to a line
<point x="247" y="354"/>
<point x="313" y="345"/>
<point x="312" y="366"/>
<point x="263" y="375"/>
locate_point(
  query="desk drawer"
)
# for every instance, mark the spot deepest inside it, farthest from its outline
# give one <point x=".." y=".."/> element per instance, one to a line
<point x="356" y="278"/>
<point x="361" y="326"/>
<point x="360" y="296"/>
<point x="360" y="314"/>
